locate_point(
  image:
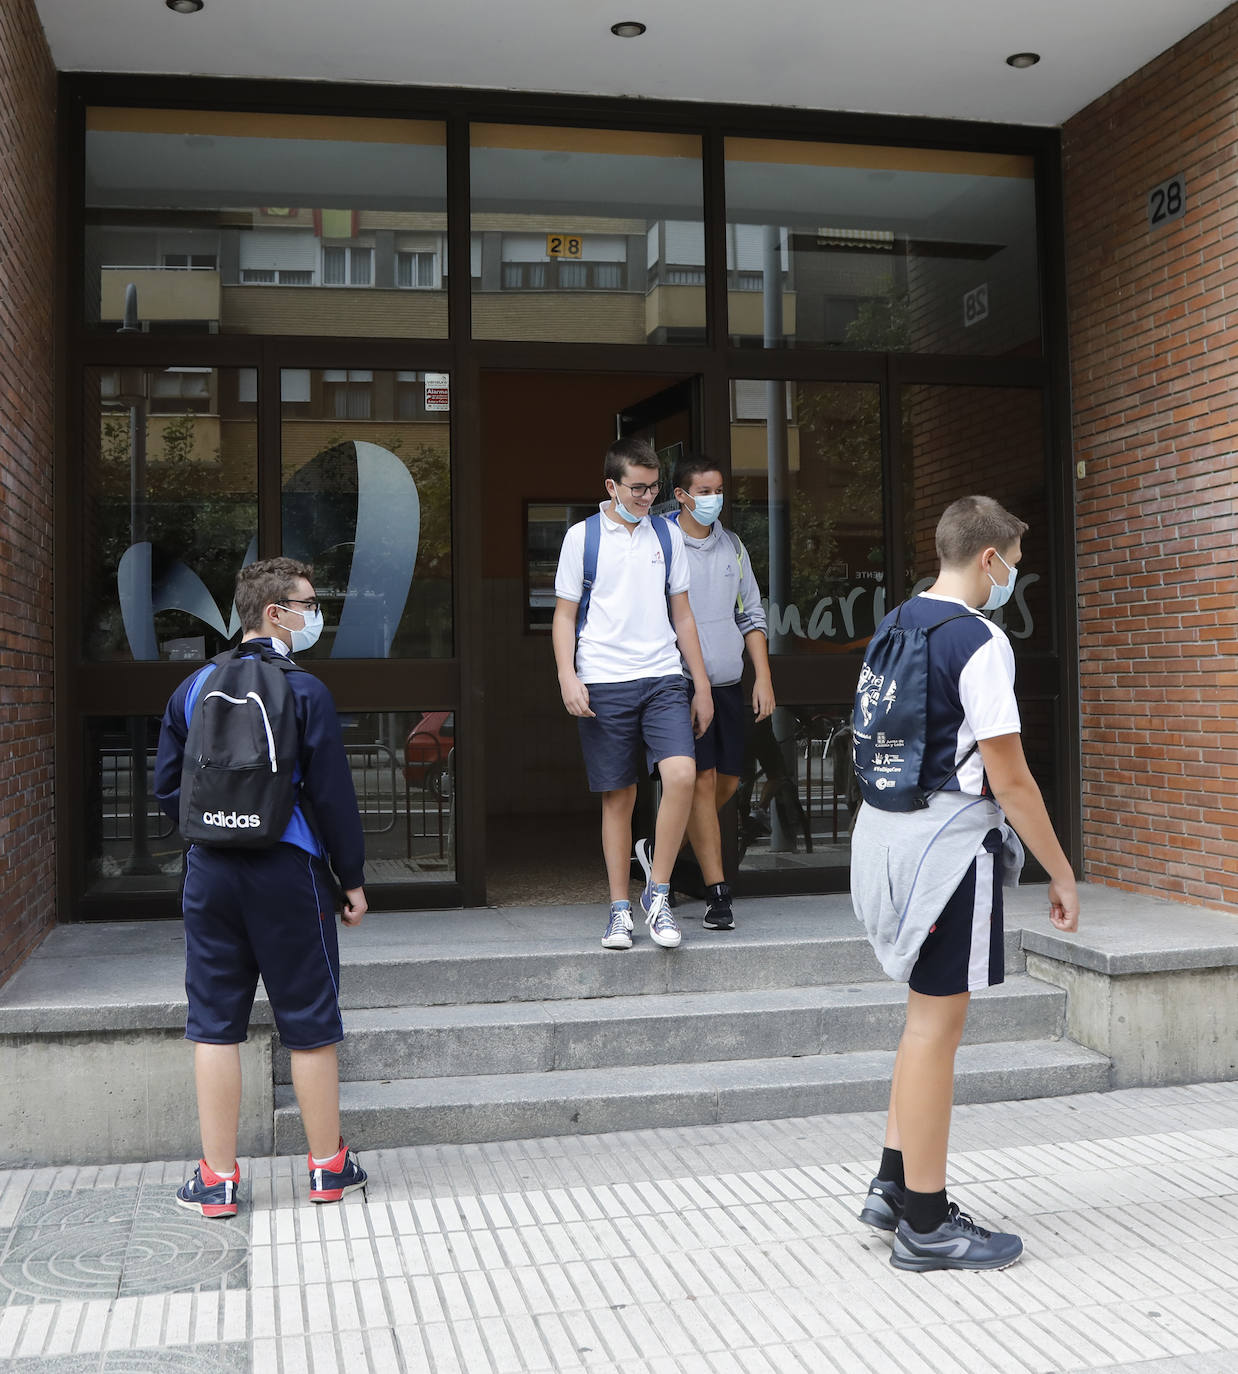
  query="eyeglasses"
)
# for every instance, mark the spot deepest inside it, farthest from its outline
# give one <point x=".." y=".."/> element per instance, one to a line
<point x="639" y="489"/>
<point x="311" y="605"/>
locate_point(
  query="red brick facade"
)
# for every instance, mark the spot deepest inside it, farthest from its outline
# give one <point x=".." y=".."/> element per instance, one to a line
<point x="27" y="264"/>
<point x="1153" y="334"/>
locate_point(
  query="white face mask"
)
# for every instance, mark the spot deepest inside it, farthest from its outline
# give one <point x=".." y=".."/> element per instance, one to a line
<point x="307" y="636"/>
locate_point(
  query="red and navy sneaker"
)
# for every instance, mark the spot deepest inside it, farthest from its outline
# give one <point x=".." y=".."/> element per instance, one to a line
<point x="210" y="1193"/>
<point x="329" y="1182"/>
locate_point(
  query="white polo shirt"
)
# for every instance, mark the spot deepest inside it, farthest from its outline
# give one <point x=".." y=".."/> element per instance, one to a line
<point x="628" y="634"/>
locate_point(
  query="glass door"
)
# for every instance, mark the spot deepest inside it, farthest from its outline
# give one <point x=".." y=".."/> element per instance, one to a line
<point x="542" y="823"/>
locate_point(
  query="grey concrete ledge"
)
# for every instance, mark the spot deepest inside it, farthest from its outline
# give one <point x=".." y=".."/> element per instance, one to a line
<point x="1127" y="932"/>
<point x="131" y="975"/>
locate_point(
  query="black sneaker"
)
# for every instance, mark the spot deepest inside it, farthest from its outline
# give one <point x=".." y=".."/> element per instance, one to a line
<point x="718" y="914"/>
<point x="958" y="1243"/>
<point x="883" y="1207"/>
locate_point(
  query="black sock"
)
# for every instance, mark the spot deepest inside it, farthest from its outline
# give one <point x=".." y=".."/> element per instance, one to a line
<point x="891" y="1167"/>
<point x="924" y="1211"/>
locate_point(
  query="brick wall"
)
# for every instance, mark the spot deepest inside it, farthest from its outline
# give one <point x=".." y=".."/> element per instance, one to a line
<point x="27" y="233"/>
<point x="1154" y="369"/>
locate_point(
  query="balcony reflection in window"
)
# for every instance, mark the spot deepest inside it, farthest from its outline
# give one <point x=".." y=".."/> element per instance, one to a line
<point x="269" y="211"/>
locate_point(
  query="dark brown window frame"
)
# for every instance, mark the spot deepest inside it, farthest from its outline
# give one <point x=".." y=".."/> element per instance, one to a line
<point x="455" y="684"/>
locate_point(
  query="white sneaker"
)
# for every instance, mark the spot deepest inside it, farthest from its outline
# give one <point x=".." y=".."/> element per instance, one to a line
<point x="644" y="857"/>
<point x="619" y="927"/>
<point x="655" y="903"/>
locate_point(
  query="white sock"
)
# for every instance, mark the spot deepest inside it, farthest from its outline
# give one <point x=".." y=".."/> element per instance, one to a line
<point x="322" y="1163"/>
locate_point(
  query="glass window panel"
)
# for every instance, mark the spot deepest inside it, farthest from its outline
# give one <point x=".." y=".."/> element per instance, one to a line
<point x="886" y="249"/>
<point x="806" y="498"/>
<point x="797" y="796"/>
<point x="367" y="500"/>
<point x="252" y="200"/>
<point x="362" y="261"/>
<point x="581" y="199"/>
<point x="171" y="510"/>
<point x="403" y="771"/>
<point x="986" y="441"/>
<point x="334" y="266"/>
<point x="131" y="846"/>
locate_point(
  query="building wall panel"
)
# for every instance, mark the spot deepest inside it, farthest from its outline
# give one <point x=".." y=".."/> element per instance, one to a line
<point x="27" y="264"/>
<point x="1152" y="332"/>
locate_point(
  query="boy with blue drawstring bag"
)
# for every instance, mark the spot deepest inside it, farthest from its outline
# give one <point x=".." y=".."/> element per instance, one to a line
<point x="941" y="768"/>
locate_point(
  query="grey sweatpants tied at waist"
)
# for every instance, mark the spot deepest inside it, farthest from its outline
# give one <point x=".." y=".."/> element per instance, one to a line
<point x="906" y="865"/>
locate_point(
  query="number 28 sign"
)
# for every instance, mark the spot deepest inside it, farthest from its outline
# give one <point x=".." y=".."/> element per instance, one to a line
<point x="564" y="246"/>
<point x="1166" y="202"/>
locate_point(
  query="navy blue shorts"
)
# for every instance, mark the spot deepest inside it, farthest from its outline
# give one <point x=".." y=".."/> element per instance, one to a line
<point x="722" y="745"/>
<point x="654" y="711"/>
<point x="965" y="950"/>
<point x="268" y="912"/>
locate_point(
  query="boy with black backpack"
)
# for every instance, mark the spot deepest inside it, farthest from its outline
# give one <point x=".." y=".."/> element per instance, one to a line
<point x="621" y="620"/>
<point x="251" y="764"/>
<point x="940" y="765"/>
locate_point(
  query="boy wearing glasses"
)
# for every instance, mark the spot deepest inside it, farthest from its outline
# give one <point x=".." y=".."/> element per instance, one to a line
<point x="270" y="910"/>
<point x="621" y="621"/>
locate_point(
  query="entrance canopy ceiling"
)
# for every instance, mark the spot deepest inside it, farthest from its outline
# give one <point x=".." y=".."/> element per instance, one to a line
<point x="937" y="58"/>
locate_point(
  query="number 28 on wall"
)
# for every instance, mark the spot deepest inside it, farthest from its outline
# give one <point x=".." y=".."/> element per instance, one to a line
<point x="1167" y="202"/>
<point x="564" y="246"/>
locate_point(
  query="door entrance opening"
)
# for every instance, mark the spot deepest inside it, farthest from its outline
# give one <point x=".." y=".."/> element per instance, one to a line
<point x="543" y="439"/>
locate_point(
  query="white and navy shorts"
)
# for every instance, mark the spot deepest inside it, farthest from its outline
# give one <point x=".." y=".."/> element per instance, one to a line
<point x="964" y="950"/>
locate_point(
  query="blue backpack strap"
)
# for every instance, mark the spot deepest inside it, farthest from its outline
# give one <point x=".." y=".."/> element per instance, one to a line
<point x="195" y="690"/>
<point x="663" y="530"/>
<point x="593" y="540"/>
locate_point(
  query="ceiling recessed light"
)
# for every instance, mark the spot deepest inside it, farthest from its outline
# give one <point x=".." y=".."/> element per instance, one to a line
<point x="184" y="6"/>
<point x="629" y="28"/>
<point x="1023" y="59"/>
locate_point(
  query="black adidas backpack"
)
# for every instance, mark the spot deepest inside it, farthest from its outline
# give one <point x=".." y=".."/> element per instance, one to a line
<point x="237" y="787"/>
<point x="890" y="717"/>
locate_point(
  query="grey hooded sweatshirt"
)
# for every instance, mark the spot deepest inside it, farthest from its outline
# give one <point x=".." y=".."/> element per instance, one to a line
<point x="725" y="600"/>
<point x="905" y="867"/>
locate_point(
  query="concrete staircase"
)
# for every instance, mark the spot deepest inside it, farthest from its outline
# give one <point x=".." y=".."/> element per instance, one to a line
<point x="509" y="1024"/>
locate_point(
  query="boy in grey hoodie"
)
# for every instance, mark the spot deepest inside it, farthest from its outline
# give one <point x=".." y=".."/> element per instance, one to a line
<point x="726" y="603"/>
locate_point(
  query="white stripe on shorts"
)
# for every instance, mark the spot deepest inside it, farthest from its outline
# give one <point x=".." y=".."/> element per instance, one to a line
<point x="981" y="924"/>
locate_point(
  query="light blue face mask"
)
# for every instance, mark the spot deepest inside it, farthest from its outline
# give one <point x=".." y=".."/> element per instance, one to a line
<point x="708" y="508"/>
<point x="624" y="513"/>
<point x="1000" y="594"/>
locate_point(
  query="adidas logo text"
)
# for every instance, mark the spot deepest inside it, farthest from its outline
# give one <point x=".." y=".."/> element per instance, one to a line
<point x="231" y="820"/>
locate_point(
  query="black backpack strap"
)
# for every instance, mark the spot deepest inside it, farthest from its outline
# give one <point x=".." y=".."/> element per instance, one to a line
<point x="928" y="630"/>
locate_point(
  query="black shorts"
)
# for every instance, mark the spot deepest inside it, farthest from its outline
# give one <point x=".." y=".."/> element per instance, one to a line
<point x="268" y="912"/>
<point x="964" y="950"/>
<point x="722" y="745"/>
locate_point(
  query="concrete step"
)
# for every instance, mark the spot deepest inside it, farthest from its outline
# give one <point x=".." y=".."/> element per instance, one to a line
<point x="670" y="1028"/>
<point x="476" y="1108"/>
<point x="542" y="957"/>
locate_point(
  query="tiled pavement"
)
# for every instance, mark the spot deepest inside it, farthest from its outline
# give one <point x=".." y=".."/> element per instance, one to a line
<point x="700" y="1250"/>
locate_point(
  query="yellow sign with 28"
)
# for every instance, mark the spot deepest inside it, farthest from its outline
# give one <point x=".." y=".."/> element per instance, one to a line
<point x="564" y="246"/>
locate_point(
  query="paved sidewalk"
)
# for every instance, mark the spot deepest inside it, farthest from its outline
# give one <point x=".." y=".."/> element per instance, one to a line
<point x="698" y="1250"/>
